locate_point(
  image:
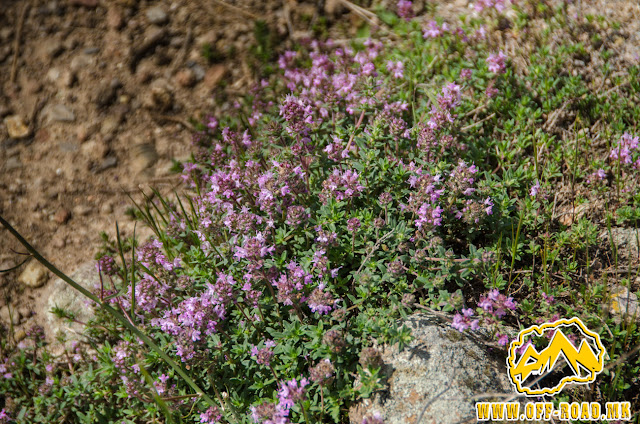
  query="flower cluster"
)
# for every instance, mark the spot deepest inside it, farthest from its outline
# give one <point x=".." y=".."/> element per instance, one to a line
<point x="289" y="393"/>
<point x="480" y="5"/>
<point x="107" y="265"/>
<point x="405" y="9"/>
<point x="623" y="151"/>
<point x="322" y="373"/>
<point x="210" y="416"/>
<point x="196" y="317"/>
<point x="496" y="303"/>
<point x="496" y="63"/>
<point x="465" y="320"/>
<point x="263" y="356"/>
<point x="341" y="185"/>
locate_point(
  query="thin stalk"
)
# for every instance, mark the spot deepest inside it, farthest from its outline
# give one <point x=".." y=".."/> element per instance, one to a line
<point x="514" y="247"/>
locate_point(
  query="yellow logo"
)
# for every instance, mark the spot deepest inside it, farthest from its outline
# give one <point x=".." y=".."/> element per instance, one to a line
<point x="525" y="362"/>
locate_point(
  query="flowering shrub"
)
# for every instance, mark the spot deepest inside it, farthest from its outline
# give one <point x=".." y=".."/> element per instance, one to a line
<point x="355" y="185"/>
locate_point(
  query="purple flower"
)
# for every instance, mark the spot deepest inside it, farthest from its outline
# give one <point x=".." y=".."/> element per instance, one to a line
<point x="268" y="413"/>
<point x="375" y="418"/>
<point x="496" y="62"/>
<point x="263" y="356"/>
<point x="107" y="265"/>
<point x="624" y="149"/>
<point x="341" y="185"/>
<point x="464" y="321"/>
<point x="291" y="392"/>
<point x="321" y="301"/>
<point x="297" y="114"/>
<point x="211" y="415"/>
<point x="503" y="339"/>
<point x="396" y="69"/>
<point x="405" y="10"/>
<point x="548" y="298"/>
<point x="322" y="373"/>
<point x="597" y="176"/>
<point x="212" y="124"/>
<point x="535" y="189"/>
<point x="485" y="304"/>
<point x="432" y="30"/>
<point x="353" y="224"/>
<point x="488" y="205"/>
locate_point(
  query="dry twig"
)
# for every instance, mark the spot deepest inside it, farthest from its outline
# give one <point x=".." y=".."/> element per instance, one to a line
<point x="236" y="9"/>
<point x="16" y="42"/>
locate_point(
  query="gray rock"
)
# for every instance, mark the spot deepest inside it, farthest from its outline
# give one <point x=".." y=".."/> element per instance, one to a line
<point x="625" y="241"/>
<point x="623" y="304"/>
<point x="439" y="372"/>
<point x="34" y="275"/>
<point x="108" y="162"/>
<point x="198" y="71"/>
<point x="66" y="297"/>
<point x="157" y="15"/>
<point x="61" y="78"/>
<point x="58" y="113"/>
<point x="81" y="62"/>
<point x="12" y="163"/>
<point x="143" y="156"/>
<point x="90" y="50"/>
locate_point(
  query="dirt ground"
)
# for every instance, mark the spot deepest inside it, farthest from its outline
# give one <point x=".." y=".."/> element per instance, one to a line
<point x="96" y="98"/>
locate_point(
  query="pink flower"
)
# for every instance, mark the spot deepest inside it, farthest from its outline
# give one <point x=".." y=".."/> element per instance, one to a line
<point x="405" y="10"/>
<point x="535" y="189"/>
<point x="396" y="68"/>
<point x="432" y="30"/>
<point x="496" y="62"/>
<point x="503" y="339"/>
<point x="210" y="416"/>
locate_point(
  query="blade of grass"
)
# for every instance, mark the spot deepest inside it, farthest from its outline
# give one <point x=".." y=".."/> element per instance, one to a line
<point x="133" y="277"/>
<point x="121" y="252"/>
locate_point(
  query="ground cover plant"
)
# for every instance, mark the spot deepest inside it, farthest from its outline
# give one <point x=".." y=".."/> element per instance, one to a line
<point x="361" y="182"/>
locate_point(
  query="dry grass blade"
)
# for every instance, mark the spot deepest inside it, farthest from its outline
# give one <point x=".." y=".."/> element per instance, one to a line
<point x="236" y="9"/>
<point x="362" y="12"/>
<point x="16" y="42"/>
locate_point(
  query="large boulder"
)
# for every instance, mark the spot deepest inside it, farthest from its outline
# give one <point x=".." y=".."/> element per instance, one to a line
<point x="435" y="378"/>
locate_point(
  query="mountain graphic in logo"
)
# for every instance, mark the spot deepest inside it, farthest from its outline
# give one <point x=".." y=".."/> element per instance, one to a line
<point x="585" y="362"/>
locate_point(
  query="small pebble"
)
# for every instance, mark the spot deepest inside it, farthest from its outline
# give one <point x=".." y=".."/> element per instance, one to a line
<point x="185" y="78"/>
<point x="16" y="127"/>
<point x="157" y="16"/>
<point x="62" y="216"/>
<point x="82" y="210"/>
<point x="34" y="275"/>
